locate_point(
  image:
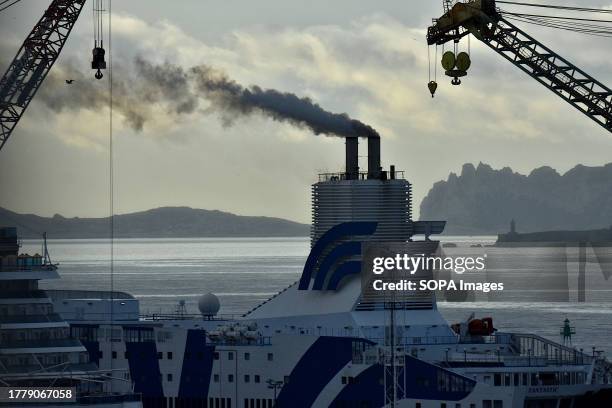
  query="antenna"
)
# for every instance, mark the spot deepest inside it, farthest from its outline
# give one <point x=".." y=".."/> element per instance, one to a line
<point x="47" y="257"/>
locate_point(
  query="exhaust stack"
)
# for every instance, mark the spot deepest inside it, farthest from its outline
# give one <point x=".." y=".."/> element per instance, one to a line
<point x="374" y="157"/>
<point x="352" y="158"/>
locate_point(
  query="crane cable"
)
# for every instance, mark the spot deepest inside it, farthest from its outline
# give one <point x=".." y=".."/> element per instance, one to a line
<point x="588" y="26"/>
<point x="111" y="167"/>
<point x="2" y="4"/>
<point x="571" y="8"/>
<point x="557" y="17"/>
<point x="574" y="26"/>
<point x="98" y="22"/>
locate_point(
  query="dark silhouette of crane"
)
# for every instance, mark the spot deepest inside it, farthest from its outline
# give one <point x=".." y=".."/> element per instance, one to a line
<point x="482" y="19"/>
<point x="33" y="62"/>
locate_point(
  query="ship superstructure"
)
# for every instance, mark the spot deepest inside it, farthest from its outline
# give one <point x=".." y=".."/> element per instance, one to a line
<point x="320" y="343"/>
<point x="37" y="348"/>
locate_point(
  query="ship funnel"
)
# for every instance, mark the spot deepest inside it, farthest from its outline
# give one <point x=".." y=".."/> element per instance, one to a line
<point x="373" y="157"/>
<point x="352" y="158"/>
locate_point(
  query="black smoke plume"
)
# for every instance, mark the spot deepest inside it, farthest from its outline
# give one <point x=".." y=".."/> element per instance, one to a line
<point x="137" y="90"/>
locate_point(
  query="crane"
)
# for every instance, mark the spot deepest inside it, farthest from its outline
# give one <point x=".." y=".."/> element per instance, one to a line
<point x="35" y="58"/>
<point x="482" y="19"/>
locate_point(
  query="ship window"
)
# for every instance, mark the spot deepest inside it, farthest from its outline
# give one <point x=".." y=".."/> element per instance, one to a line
<point x="534" y="379"/>
<point x="417" y="405"/>
<point x="496" y="380"/>
<point x="516" y="379"/>
<point x="524" y="378"/>
<point x="216" y="378"/>
<point x="498" y="404"/>
<point x="343" y="380"/>
<point x="270" y="357"/>
<point x="160" y="355"/>
<point x="114" y="355"/>
<point x="169" y="377"/>
<point x="257" y="378"/>
<point x="247" y="356"/>
<point x="169" y="354"/>
<point x="247" y="378"/>
<point x="230" y="377"/>
<point x="443" y="405"/>
<point x="472" y="405"/>
<point x="487" y="404"/>
<point x="230" y="355"/>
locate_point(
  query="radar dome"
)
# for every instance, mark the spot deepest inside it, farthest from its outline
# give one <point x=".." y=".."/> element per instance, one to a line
<point x="209" y="305"/>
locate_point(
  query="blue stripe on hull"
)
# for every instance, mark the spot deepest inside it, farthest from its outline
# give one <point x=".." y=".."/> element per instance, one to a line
<point x="315" y="370"/>
<point x="367" y="391"/>
<point x="144" y="368"/>
<point x="93" y="349"/>
<point x="197" y="366"/>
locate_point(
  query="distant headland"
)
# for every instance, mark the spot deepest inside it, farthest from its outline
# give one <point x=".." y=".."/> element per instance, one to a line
<point x="482" y="200"/>
<point x="164" y="222"/>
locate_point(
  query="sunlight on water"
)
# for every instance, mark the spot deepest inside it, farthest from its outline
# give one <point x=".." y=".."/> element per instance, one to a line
<point x="246" y="271"/>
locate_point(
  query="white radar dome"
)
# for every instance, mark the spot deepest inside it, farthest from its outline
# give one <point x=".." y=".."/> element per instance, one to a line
<point x="209" y="305"/>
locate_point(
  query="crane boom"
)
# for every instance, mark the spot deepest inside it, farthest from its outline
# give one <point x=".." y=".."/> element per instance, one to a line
<point x="480" y="18"/>
<point x="33" y="61"/>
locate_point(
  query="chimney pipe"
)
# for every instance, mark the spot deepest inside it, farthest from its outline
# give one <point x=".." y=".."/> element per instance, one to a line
<point x="352" y="158"/>
<point x="373" y="157"/>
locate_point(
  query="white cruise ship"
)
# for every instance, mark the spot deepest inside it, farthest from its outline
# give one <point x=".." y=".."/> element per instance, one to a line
<point x="37" y="347"/>
<point x="320" y="343"/>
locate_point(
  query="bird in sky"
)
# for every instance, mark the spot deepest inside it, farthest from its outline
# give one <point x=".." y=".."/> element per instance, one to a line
<point x="69" y="81"/>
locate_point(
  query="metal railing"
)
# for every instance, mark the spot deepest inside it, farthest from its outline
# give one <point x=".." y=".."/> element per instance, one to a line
<point x="362" y="175"/>
<point x="534" y="346"/>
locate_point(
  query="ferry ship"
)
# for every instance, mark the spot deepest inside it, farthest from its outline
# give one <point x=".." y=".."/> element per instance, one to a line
<point x="37" y="347"/>
<point x="320" y="342"/>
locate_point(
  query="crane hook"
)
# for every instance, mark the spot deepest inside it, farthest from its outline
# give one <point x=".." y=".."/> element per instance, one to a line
<point x="98" y="74"/>
<point x="432" y="85"/>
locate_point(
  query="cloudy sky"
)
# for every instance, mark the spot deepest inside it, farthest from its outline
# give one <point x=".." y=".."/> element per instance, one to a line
<point x="365" y="58"/>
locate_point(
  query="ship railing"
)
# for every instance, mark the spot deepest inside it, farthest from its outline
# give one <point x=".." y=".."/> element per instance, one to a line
<point x="514" y="361"/>
<point x="187" y="316"/>
<point x="38" y="318"/>
<point x="362" y="175"/>
<point x="24" y="262"/>
<point x="40" y="343"/>
<point x="260" y="341"/>
<point x="532" y="345"/>
<point x="454" y="339"/>
<point x="417" y="340"/>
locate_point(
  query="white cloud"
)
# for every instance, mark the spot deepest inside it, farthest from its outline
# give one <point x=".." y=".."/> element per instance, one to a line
<point x="374" y="68"/>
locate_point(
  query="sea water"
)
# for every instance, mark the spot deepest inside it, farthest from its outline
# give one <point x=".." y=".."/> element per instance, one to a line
<point x="245" y="271"/>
